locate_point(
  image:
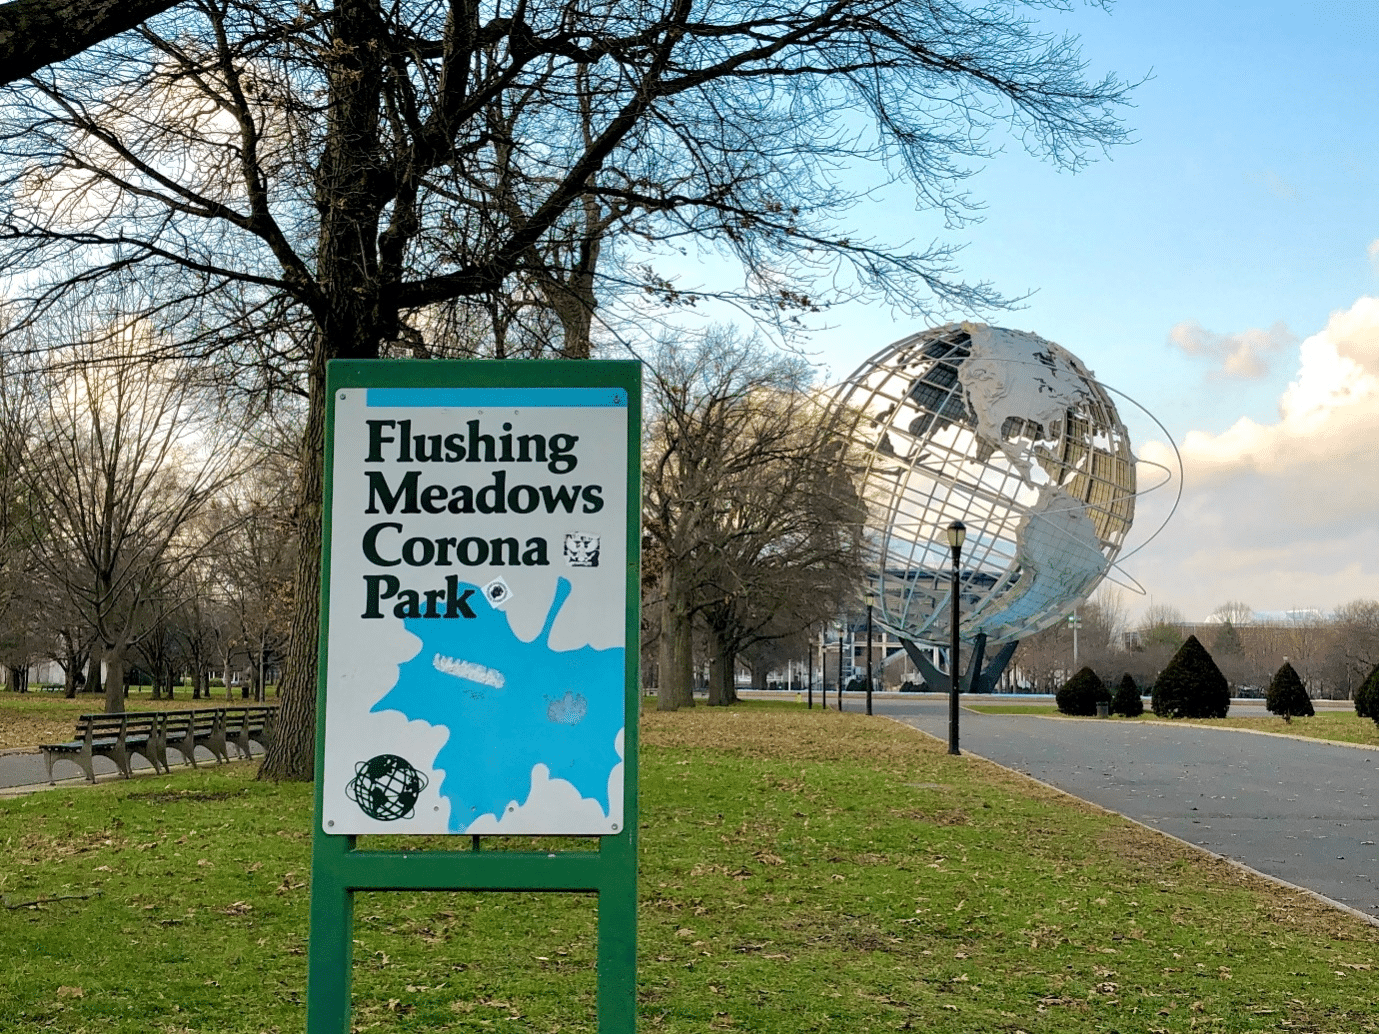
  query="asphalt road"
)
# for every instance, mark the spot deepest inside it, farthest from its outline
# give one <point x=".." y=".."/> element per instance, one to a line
<point x="1303" y="811"/>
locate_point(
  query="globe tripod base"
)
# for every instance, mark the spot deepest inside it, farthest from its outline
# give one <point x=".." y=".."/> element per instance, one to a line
<point x="976" y="679"/>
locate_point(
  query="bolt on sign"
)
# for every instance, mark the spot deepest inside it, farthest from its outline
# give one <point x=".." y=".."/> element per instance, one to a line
<point x="478" y="643"/>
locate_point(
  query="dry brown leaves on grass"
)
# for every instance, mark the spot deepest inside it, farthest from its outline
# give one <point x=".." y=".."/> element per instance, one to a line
<point x="17" y="731"/>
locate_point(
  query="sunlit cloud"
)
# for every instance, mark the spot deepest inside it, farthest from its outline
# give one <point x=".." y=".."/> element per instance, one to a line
<point x="1286" y="513"/>
<point x="1244" y="355"/>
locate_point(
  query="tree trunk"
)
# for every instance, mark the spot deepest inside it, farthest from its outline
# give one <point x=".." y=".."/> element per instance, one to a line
<point x="722" y="667"/>
<point x="34" y="33"/>
<point x="291" y="753"/>
<point x="114" y="681"/>
<point x="351" y="321"/>
<point x="759" y="672"/>
<point x="93" y="668"/>
<point x="677" y="654"/>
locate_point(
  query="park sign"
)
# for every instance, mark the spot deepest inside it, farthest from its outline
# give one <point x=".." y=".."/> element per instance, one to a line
<point x="478" y="653"/>
<point x="475" y="674"/>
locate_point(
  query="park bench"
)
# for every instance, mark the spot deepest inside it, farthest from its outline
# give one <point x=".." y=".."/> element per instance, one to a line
<point x="150" y="733"/>
<point x="187" y="730"/>
<point x="243" y="724"/>
<point x="115" y="736"/>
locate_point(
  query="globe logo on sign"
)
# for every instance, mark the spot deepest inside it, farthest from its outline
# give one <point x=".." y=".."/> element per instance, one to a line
<point x="1010" y="434"/>
<point x="386" y="787"/>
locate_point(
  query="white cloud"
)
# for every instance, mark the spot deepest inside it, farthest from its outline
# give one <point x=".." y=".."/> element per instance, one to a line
<point x="1244" y="355"/>
<point x="1282" y="514"/>
<point x="1373" y="252"/>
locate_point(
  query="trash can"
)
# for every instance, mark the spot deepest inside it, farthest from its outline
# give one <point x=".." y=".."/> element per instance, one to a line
<point x="1103" y="709"/>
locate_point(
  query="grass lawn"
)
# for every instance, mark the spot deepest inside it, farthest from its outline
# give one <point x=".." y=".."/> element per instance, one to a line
<point x="801" y="871"/>
<point x="1343" y="726"/>
<point x="36" y="717"/>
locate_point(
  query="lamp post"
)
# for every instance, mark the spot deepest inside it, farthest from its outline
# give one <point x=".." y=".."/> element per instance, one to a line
<point x="840" y="670"/>
<point x="871" y="599"/>
<point x="957" y="532"/>
<point x="1074" y="622"/>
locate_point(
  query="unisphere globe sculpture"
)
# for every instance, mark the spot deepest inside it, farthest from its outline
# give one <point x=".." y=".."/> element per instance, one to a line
<point x="1013" y="436"/>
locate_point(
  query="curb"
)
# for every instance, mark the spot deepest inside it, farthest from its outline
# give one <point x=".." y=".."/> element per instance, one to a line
<point x="1264" y="732"/>
<point x="1176" y="725"/>
<point x="1242" y="866"/>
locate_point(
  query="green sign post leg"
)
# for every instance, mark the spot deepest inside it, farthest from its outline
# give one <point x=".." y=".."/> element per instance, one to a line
<point x="617" y="904"/>
<point x="331" y="955"/>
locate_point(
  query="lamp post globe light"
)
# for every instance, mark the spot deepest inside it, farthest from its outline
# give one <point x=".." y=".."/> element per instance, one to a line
<point x="957" y="533"/>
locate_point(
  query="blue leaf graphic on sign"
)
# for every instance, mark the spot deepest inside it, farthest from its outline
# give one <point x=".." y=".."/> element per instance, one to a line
<point x="509" y="706"/>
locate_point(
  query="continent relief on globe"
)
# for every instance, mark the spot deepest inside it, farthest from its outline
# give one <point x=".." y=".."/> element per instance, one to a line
<point x="1059" y="552"/>
<point x="1010" y="434"/>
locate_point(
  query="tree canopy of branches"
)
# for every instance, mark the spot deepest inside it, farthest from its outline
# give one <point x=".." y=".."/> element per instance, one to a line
<point x="1044" y="660"/>
<point x="291" y="184"/>
<point x="122" y="466"/>
<point x="750" y="503"/>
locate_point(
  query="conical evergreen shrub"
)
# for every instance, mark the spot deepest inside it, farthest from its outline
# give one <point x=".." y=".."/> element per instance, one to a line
<point x="1081" y="693"/>
<point x="1191" y="685"/>
<point x="1287" y="696"/>
<point x="1367" y="697"/>
<point x="1127" y="699"/>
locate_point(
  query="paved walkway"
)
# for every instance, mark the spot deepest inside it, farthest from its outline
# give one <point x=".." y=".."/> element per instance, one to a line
<point x="1304" y="811"/>
<point x="22" y="770"/>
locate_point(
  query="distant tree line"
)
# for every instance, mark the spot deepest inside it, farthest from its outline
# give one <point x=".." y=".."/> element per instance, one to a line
<point x="1332" y="654"/>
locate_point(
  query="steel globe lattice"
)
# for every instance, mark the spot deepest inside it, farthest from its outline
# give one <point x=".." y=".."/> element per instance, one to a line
<point x="1010" y="434"/>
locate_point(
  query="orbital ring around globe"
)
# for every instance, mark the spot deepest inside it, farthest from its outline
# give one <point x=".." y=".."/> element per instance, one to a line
<point x="1010" y="434"/>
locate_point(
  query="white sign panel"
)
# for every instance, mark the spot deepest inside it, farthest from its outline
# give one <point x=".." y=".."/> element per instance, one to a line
<point x="477" y="611"/>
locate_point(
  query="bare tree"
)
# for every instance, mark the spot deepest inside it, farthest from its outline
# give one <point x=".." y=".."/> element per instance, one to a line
<point x="124" y="464"/>
<point x="339" y="170"/>
<point x="751" y="502"/>
<point x="258" y="558"/>
<point x="1236" y="612"/>
<point x="1353" y="644"/>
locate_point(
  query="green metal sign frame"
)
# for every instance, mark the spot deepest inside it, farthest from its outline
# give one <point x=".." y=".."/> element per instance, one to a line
<point x="340" y="868"/>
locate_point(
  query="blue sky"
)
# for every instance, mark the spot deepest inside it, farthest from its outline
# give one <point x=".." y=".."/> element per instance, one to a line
<point x="1198" y="269"/>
